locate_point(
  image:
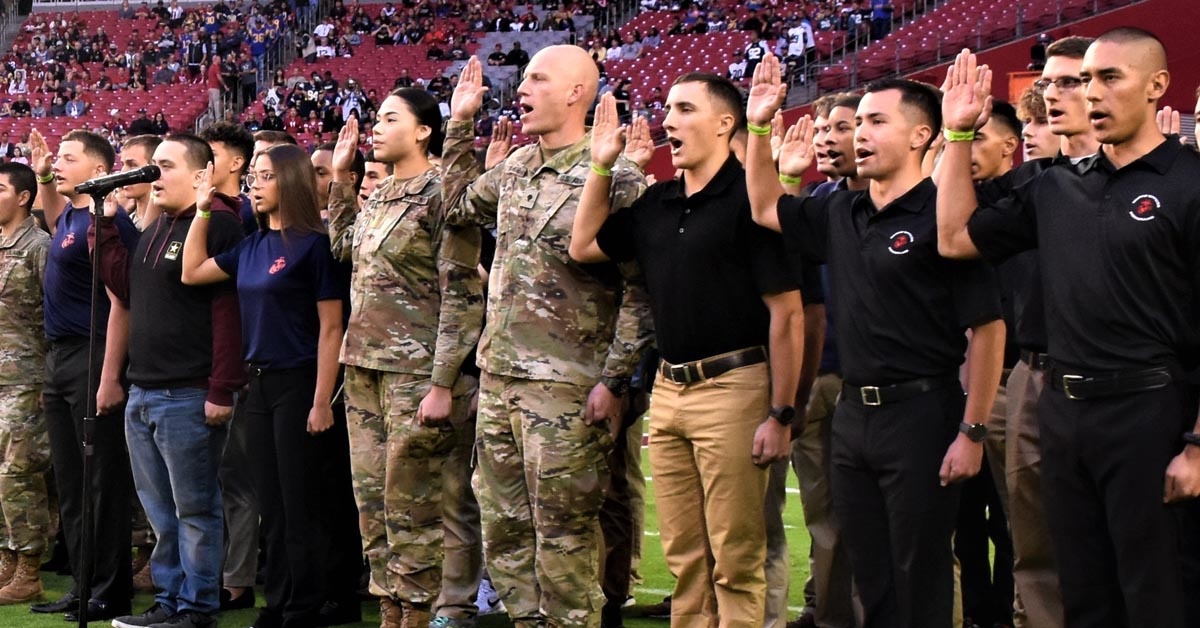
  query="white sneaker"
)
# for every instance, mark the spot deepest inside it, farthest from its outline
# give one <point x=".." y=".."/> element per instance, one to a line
<point x="488" y="600"/>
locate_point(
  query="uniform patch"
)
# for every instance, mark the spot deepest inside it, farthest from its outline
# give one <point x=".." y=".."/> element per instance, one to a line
<point x="68" y="241"/>
<point x="900" y="243"/>
<point x="1145" y="207"/>
<point x="173" y="250"/>
<point x="279" y="265"/>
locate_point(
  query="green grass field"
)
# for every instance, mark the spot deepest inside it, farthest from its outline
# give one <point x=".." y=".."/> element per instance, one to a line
<point x="657" y="580"/>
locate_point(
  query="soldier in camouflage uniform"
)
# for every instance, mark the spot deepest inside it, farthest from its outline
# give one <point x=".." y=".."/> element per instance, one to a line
<point x="416" y="312"/>
<point x="554" y="329"/>
<point x="24" y="443"/>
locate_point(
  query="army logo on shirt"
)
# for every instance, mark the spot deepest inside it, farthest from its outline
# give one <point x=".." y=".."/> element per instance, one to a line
<point x="279" y="265"/>
<point x="901" y="243"/>
<point x="1144" y="207"/>
<point x="173" y="251"/>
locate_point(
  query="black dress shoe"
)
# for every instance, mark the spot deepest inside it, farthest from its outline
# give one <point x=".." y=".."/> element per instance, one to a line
<point x="338" y="613"/>
<point x="60" y="605"/>
<point x="245" y="600"/>
<point x="97" y="610"/>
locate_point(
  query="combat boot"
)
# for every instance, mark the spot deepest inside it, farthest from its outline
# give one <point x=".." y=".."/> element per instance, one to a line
<point x="415" y="617"/>
<point x="391" y="615"/>
<point x="8" y="565"/>
<point x="26" y="583"/>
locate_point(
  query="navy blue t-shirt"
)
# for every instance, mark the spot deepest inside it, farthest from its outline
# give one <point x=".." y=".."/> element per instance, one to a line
<point x="67" y="292"/>
<point x="249" y="221"/>
<point x="279" y="284"/>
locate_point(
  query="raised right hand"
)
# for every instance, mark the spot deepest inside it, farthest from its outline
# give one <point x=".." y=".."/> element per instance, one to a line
<point x="767" y="91"/>
<point x="40" y="157"/>
<point x="966" y="95"/>
<point x="468" y="96"/>
<point x="205" y="190"/>
<point x="608" y="134"/>
<point x="343" y="152"/>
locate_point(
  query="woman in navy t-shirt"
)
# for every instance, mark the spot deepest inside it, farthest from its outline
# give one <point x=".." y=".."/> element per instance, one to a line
<point x="291" y="302"/>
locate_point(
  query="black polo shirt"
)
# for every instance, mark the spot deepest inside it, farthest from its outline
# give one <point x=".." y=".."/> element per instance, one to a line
<point x="707" y="265"/>
<point x="1020" y="280"/>
<point x="1119" y="252"/>
<point x="902" y="309"/>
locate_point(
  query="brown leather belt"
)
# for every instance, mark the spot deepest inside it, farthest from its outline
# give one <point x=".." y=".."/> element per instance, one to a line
<point x="708" y="368"/>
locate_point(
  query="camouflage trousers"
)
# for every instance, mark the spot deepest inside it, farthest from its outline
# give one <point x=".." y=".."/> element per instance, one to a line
<point x="540" y="482"/>
<point x="25" y="447"/>
<point x="397" y="465"/>
<point x="463" y="566"/>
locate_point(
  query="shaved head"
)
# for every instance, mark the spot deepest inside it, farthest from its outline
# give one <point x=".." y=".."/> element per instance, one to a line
<point x="575" y="65"/>
<point x="556" y="92"/>
<point x="1147" y="50"/>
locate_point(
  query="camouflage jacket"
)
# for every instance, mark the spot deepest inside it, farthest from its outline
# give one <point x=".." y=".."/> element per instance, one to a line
<point x="411" y="311"/>
<point x="22" y="272"/>
<point x="548" y="317"/>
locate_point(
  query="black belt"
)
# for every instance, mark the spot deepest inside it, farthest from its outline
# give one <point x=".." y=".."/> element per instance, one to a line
<point x="700" y="370"/>
<point x="1036" y="361"/>
<point x="879" y="395"/>
<point x="1078" y="387"/>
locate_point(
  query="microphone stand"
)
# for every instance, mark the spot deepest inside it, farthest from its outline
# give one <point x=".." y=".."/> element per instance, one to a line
<point x="89" y="423"/>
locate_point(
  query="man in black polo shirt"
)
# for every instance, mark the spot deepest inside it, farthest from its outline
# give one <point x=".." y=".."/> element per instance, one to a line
<point x="902" y="312"/>
<point x="68" y="300"/>
<point x="724" y="303"/>
<point x="1116" y="237"/>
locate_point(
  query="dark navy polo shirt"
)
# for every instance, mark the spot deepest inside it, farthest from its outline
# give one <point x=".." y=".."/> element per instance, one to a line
<point x="68" y="288"/>
<point x="1119" y="256"/>
<point x="279" y="283"/>
<point x="901" y="309"/>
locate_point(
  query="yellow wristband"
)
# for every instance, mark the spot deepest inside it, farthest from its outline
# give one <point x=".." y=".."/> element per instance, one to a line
<point x="46" y="179"/>
<point x="758" y="130"/>
<point x="200" y="214"/>
<point x="604" y="172"/>
<point x="958" y="136"/>
<point x="788" y="179"/>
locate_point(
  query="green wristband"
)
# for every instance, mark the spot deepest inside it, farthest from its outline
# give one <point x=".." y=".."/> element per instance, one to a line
<point x="604" y="172"/>
<point x="958" y="136"/>
<point x="758" y="130"/>
<point x="46" y="180"/>
<point x="788" y="179"/>
<point x="200" y="214"/>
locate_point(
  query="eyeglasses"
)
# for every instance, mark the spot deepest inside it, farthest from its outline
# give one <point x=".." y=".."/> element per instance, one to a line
<point x="265" y="177"/>
<point x="1064" y="83"/>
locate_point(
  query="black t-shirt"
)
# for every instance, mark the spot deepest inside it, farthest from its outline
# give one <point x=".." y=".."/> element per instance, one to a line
<point x="902" y="309"/>
<point x="1118" y="252"/>
<point x="707" y="265"/>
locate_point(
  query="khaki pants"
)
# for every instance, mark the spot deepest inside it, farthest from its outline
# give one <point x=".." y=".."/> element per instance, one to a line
<point x="1039" y="596"/>
<point x="710" y="495"/>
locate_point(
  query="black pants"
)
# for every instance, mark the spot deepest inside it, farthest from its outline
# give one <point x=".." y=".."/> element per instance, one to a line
<point x="65" y="394"/>
<point x="616" y="519"/>
<point x="292" y="492"/>
<point x="987" y="589"/>
<point x="345" y="551"/>
<point x="896" y="517"/>
<point x="1120" y="550"/>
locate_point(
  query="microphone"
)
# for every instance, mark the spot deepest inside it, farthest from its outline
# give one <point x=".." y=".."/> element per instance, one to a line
<point x="107" y="183"/>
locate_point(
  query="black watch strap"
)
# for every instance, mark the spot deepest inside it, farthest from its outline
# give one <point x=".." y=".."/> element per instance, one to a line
<point x="1191" y="438"/>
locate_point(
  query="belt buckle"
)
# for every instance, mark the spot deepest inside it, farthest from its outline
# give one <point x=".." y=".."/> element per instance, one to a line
<point x="1067" y="381"/>
<point x="680" y="368"/>
<point x="870" y="396"/>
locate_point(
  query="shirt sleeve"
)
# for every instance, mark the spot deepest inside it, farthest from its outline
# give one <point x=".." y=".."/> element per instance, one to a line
<point x="805" y="225"/>
<point x="228" y="261"/>
<point x="1003" y="227"/>
<point x="768" y="260"/>
<point x="327" y="281"/>
<point x="976" y="292"/>
<point x="615" y="238"/>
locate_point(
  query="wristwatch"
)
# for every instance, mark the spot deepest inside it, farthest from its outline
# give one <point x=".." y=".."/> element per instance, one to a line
<point x="976" y="432"/>
<point x="1191" y="438"/>
<point x="784" y="415"/>
<point x="616" y="385"/>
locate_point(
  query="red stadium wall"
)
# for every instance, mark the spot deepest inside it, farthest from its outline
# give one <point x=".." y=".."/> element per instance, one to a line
<point x="1168" y="19"/>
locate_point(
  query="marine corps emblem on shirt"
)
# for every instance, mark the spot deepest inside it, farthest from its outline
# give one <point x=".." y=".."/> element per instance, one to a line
<point x="1145" y="207"/>
<point x="279" y="264"/>
<point x="900" y="243"/>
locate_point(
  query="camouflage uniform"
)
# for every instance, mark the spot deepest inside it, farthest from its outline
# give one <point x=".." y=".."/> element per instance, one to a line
<point x="554" y="329"/>
<point x="24" y="443"/>
<point x="416" y="311"/>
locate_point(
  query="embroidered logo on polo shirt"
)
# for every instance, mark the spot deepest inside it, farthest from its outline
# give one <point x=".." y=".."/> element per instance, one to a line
<point x="901" y="243"/>
<point x="279" y="264"/>
<point x="173" y="250"/>
<point x="1144" y="207"/>
<point x="68" y="241"/>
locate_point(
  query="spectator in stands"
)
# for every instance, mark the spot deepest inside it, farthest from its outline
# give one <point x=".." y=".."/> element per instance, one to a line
<point x="38" y="110"/>
<point x="8" y="149"/>
<point x="159" y="126"/>
<point x="737" y="68"/>
<point x="516" y="56"/>
<point x="613" y="53"/>
<point x="126" y="12"/>
<point x="216" y="86"/>
<point x="58" y="106"/>
<point x="163" y="75"/>
<point x="881" y="18"/>
<point x="656" y="101"/>
<point x="756" y="50"/>
<point x="497" y="58"/>
<point x="21" y="108"/>
<point x="631" y="49"/>
<point x="621" y="93"/>
<point x="652" y="38"/>
<point x="143" y="125"/>
<point x="272" y="122"/>
<point x="76" y="107"/>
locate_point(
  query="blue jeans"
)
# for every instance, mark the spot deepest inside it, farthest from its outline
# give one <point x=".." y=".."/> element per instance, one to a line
<point x="175" y="457"/>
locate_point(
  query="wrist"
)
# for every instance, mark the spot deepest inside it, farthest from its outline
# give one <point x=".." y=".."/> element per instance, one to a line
<point x="788" y="179"/>
<point x="45" y="179"/>
<point x="602" y="169"/>
<point x="616" y="385"/>
<point x="957" y="135"/>
<point x="342" y="176"/>
<point x="759" y="128"/>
